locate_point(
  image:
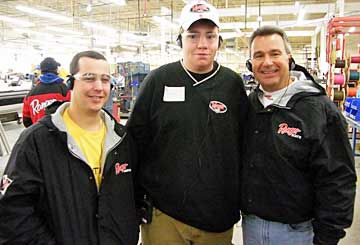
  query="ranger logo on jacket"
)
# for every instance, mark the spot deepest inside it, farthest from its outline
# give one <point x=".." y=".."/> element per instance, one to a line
<point x="5" y="183"/>
<point x="292" y="132"/>
<point x="121" y="168"/>
<point x="217" y="106"/>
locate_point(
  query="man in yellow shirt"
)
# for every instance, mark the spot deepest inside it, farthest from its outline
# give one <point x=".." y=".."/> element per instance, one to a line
<point x="69" y="177"/>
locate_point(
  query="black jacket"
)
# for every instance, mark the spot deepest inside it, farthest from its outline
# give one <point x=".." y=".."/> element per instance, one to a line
<point x="190" y="146"/>
<point x="298" y="162"/>
<point x="53" y="198"/>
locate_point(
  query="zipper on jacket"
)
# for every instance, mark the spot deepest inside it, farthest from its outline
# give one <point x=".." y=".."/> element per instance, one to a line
<point x="92" y="173"/>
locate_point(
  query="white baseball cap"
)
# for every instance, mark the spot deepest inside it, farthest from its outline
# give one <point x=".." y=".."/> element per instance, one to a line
<point x="197" y="10"/>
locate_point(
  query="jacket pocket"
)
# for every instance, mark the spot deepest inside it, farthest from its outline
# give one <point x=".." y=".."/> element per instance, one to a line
<point x="300" y="227"/>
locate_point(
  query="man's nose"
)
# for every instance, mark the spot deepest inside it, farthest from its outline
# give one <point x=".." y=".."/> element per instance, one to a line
<point x="98" y="84"/>
<point x="268" y="60"/>
<point x="203" y="42"/>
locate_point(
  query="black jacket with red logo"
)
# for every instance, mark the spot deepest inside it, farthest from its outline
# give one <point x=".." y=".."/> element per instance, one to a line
<point x="298" y="162"/>
<point x="190" y="136"/>
<point x="49" y="195"/>
<point x="41" y="96"/>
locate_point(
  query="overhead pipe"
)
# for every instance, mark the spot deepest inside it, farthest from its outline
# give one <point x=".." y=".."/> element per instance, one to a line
<point x="345" y="24"/>
<point x="245" y="13"/>
<point x="145" y="8"/>
<point x="347" y="18"/>
<point x="339" y="30"/>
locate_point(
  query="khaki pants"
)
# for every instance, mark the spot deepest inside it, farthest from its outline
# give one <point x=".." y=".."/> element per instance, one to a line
<point x="164" y="230"/>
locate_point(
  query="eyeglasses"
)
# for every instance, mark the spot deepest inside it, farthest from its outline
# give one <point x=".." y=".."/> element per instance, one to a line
<point x="195" y="37"/>
<point x="92" y="77"/>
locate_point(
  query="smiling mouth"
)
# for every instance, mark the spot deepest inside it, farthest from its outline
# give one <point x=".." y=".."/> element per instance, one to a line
<point x="269" y="72"/>
<point x="96" y="97"/>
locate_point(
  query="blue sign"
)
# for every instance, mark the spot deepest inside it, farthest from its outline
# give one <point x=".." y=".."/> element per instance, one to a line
<point x="134" y="83"/>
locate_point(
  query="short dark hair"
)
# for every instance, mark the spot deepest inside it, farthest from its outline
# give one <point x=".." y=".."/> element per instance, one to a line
<point x="270" y="30"/>
<point x="74" y="65"/>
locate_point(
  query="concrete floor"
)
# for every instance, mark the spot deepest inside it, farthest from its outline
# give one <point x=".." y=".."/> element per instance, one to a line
<point x="12" y="130"/>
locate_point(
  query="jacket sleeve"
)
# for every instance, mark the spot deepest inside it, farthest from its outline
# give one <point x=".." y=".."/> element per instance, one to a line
<point x="139" y="122"/>
<point x="138" y="127"/>
<point x="334" y="182"/>
<point x="21" y="203"/>
<point x="26" y="113"/>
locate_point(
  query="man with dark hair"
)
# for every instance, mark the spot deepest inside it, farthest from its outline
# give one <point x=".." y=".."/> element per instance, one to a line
<point x="188" y="120"/>
<point x="298" y="175"/>
<point x="50" y="88"/>
<point x="69" y="177"/>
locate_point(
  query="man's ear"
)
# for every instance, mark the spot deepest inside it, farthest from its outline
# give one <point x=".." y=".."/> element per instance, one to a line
<point x="292" y="63"/>
<point x="220" y="42"/>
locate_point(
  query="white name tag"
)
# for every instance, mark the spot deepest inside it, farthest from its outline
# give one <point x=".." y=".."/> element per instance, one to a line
<point x="172" y="94"/>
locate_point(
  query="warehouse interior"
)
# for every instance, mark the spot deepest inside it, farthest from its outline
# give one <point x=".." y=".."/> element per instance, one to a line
<point x="137" y="36"/>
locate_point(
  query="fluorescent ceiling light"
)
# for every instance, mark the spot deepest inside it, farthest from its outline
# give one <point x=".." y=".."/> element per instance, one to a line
<point x="88" y="8"/>
<point x="117" y="2"/>
<point x="297" y="4"/>
<point x="98" y="26"/>
<point x="301" y="15"/>
<point x="16" y="21"/>
<point x="61" y="30"/>
<point x="352" y="29"/>
<point x="44" y="14"/>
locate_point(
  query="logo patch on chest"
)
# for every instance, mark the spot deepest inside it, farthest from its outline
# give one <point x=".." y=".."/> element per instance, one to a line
<point x="292" y="132"/>
<point x="121" y="168"/>
<point x="217" y="106"/>
<point x="5" y="183"/>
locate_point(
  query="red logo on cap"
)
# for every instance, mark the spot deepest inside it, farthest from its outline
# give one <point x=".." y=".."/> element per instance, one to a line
<point x="199" y="8"/>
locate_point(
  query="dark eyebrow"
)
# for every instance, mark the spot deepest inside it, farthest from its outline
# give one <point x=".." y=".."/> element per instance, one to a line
<point x="275" y="50"/>
<point x="192" y="32"/>
<point x="258" y="52"/>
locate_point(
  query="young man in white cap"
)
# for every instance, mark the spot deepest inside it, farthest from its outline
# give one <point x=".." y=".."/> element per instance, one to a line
<point x="188" y="121"/>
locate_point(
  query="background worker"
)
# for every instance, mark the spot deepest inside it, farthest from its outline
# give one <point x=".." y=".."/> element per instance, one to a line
<point x="298" y="175"/>
<point x="69" y="177"/>
<point x="187" y="121"/>
<point x="49" y="89"/>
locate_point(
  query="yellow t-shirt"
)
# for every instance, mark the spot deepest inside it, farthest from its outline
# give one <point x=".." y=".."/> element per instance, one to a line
<point x="90" y="143"/>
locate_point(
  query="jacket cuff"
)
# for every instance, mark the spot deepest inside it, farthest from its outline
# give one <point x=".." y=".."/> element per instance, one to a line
<point x="322" y="241"/>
